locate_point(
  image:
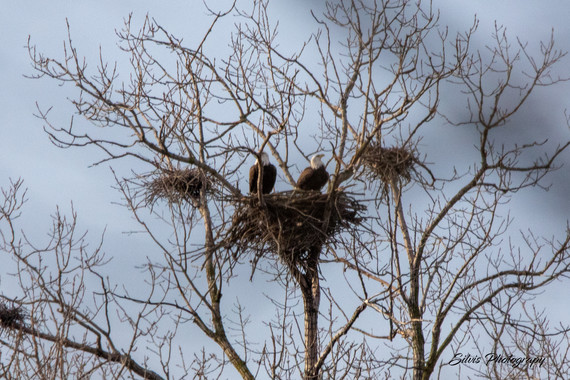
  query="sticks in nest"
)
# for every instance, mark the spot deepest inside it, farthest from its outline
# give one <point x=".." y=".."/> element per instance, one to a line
<point x="11" y="316"/>
<point x="291" y="224"/>
<point x="389" y="164"/>
<point x="175" y="185"/>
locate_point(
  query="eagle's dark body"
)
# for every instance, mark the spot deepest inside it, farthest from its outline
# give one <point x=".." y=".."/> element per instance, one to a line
<point x="315" y="176"/>
<point x="313" y="179"/>
<point x="269" y="174"/>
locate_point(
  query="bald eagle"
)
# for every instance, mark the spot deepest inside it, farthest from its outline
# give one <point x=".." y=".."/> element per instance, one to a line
<point x="268" y="173"/>
<point x="315" y="176"/>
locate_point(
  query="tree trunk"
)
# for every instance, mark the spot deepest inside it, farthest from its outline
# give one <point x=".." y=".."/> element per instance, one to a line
<point x="413" y="303"/>
<point x="418" y="350"/>
<point x="311" y="292"/>
<point x="219" y="333"/>
<point x="311" y="297"/>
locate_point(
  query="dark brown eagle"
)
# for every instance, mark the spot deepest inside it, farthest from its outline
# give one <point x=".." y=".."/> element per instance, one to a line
<point x="315" y="176"/>
<point x="268" y="174"/>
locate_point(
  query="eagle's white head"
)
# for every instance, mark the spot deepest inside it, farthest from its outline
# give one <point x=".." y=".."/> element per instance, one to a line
<point x="264" y="159"/>
<point x="316" y="161"/>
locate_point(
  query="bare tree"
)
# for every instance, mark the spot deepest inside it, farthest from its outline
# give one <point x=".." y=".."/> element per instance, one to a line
<point x="427" y="264"/>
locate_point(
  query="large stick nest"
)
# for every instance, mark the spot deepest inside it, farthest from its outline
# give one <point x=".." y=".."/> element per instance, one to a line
<point x="389" y="164"/>
<point x="11" y="316"/>
<point x="291" y="224"/>
<point x="176" y="185"/>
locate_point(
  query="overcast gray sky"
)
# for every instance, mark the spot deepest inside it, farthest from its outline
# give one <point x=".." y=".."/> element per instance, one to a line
<point x="59" y="177"/>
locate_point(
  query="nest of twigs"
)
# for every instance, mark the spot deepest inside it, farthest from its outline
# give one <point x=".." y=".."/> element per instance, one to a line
<point x="176" y="185"/>
<point x="11" y="316"/>
<point x="291" y="224"/>
<point x="389" y="164"/>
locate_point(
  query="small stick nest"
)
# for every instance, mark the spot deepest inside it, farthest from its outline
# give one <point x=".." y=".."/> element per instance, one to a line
<point x="11" y="317"/>
<point x="291" y="224"/>
<point x="388" y="164"/>
<point x="176" y="185"/>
